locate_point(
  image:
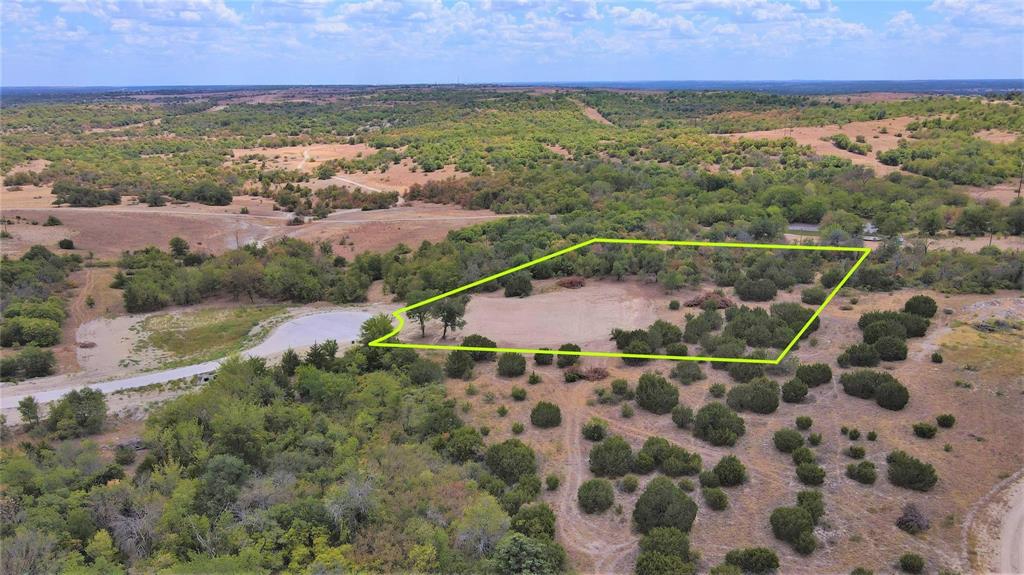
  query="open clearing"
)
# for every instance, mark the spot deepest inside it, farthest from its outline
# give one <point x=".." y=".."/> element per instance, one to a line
<point x="812" y="136"/>
<point x="858" y="528"/>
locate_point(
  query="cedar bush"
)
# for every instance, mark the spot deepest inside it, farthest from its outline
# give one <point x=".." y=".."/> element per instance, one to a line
<point x="925" y="430"/>
<point x="595" y="495"/>
<point x="786" y="440"/>
<point x="511" y="364"/>
<point x="596" y="429"/>
<point x="663" y="504"/>
<point x="921" y="305"/>
<point x="612" y="457"/>
<point x="862" y="472"/>
<point x="546" y="415"/>
<point x="718" y="425"/>
<point x="682" y="416"/>
<point x="794" y="391"/>
<point x="814" y="374"/>
<point x="655" y="394"/>
<point x="476" y="340"/>
<point x="757" y="560"/>
<point x="946" y="420"/>
<point x="715" y="498"/>
<point x="909" y="472"/>
<point x="730" y="471"/>
<point x="802" y="455"/>
<point x="804" y="422"/>
<point x="891" y="348"/>
<point x="810" y="474"/>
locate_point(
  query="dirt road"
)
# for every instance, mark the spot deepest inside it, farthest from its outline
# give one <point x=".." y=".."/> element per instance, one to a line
<point x="1011" y="553"/>
<point x="340" y="325"/>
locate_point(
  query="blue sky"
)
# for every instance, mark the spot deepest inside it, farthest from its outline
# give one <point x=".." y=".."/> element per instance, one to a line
<point x="167" y="42"/>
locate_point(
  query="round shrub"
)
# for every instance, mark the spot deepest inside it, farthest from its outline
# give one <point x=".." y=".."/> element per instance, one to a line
<point x="756" y="290"/>
<point x="717" y="390"/>
<point x="518" y="428"/>
<point x="663" y="504"/>
<point x="925" y="430"/>
<point x="534" y="379"/>
<point x="805" y="543"/>
<point x="666" y="541"/>
<point x="891" y="348"/>
<point x="627" y="411"/>
<point x="936" y="357"/>
<point x="859" y="355"/>
<point x="853" y="434"/>
<point x="459" y="364"/>
<point x="907" y="471"/>
<point x="518" y="394"/>
<point x="892" y="395"/>
<point x="651" y="563"/>
<point x="855" y="452"/>
<point x="789" y="522"/>
<point x="730" y="471"/>
<point x="813" y="295"/>
<point x="510" y="460"/>
<point x="911" y="563"/>
<point x="753" y="559"/>
<point x="552" y="482"/>
<point x="655" y="394"/>
<point x="802" y="455"/>
<point x="810" y="474"/>
<point x="921" y="305"/>
<point x="872" y="435"/>
<point x="718" y="425"/>
<point x="595" y="495"/>
<point x="543" y="358"/>
<point x="912" y="520"/>
<point x="708" y="478"/>
<point x="686" y="484"/>
<point x="786" y="440"/>
<point x="567" y="360"/>
<point x="862" y="472"/>
<point x="814" y="374"/>
<point x="862" y="383"/>
<point x="545" y="415"/>
<point x="511" y="364"/>
<point x="682" y="416"/>
<point x="759" y="396"/>
<point x="814" y="439"/>
<point x="673" y="305"/>
<point x="476" y="340"/>
<point x="596" y="429"/>
<point x="946" y="420"/>
<point x="124" y="455"/>
<point x="686" y="372"/>
<point x="884" y="328"/>
<point x="794" y="391"/>
<point x="66" y="244"/>
<point x="804" y="422"/>
<point x="715" y="498"/>
<point x="613" y="457"/>
<point x="637" y="347"/>
<point x="629" y="483"/>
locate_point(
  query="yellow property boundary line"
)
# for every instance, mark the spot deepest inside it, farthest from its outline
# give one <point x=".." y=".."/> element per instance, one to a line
<point x="399" y="313"/>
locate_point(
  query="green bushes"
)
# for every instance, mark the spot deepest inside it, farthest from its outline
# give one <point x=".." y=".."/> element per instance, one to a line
<point x="718" y="425"/>
<point x="759" y="396"/>
<point x="925" y="430"/>
<point x="475" y="340"/>
<point x="859" y="355"/>
<point x="911" y="563"/>
<point x="517" y="284"/>
<point x="887" y="391"/>
<point x="921" y="305"/>
<point x="567" y="360"/>
<point x="914" y="325"/>
<point x="682" y="416"/>
<point x="708" y="478"/>
<point x="595" y="495"/>
<point x="804" y="422"/>
<point x="77" y="414"/>
<point x="663" y="504"/>
<point x="884" y="328"/>
<point x="595" y="430"/>
<point x="26" y="330"/>
<point x="946" y="420"/>
<point x="855" y="452"/>
<point x="664" y="551"/>
<point x="546" y="415"/>
<point x="730" y="471"/>
<point x="518" y="394"/>
<point x="813" y="295"/>
<point x="459" y="364"/>
<point x="814" y="374"/>
<point x="759" y="560"/>
<point x="672" y="460"/>
<point x="511" y="460"/>
<point x="543" y="358"/>
<point x="511" y="365"/>
<point x="861" y="472"/>
<point x="655" y="394"/>
<point x="891" y="348"/>
<point x="28" y="363"/>
<point x="909" y="472"/>
<point x="612" y="457"/>
<point x="936" y="357"/>
<point x="687" y="372"/>
<point x="802" y="455"/>
<point x="810" y="474"/>
<point x="794" y="391"/>
<point x="715" y="498"/>
<point x="756" y="290"/>
<point x="793" y="525"/>
<point x="786" y="440"/>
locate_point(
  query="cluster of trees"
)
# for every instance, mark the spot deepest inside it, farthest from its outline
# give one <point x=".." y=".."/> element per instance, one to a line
<point x="843" y="142"/>
<point x="795" y="525"/>
<point x="286" y="270"/>
<point x="322" y="463"/>
<point x="885" y="389"/>
<point x="885" y="333"/>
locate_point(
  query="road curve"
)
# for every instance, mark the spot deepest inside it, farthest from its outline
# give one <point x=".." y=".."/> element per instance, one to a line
<point x="342" y="326"/>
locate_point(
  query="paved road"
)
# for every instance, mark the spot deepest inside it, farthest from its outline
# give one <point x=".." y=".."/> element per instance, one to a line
<point x="302" y="331"/>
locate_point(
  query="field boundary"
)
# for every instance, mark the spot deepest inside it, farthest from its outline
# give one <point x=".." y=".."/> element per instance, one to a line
<point x="399" y="313"/>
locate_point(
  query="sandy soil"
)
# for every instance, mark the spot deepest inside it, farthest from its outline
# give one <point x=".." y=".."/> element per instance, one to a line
<point x="593" y="114"/>
<point x="555" y="315"/>
<point x="975" y="244"/>
<point x="858" y="528"/>
<point x="30" y="166"/>
<point x="997" y="136"/>
<point x="812" y="136"/>
<point x="1011" y="559"/>
<point x="305" y="157"/>
<point x="398" y="177"/>
<point x="1002" y="193"/>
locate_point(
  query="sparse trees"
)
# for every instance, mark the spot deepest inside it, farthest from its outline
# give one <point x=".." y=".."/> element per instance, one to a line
<point x="450" y="311"/>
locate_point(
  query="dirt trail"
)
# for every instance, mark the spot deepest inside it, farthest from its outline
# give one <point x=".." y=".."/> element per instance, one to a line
<point x="593" y="114"/>
<point x="1011" y="555"/>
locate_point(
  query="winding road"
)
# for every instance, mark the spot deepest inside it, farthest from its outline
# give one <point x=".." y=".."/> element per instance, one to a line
<point x="340" y="325"/>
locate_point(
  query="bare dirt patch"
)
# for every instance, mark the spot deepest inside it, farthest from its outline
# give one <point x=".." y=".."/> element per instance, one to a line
<point x="305" y="157"/>
<point x="593" y="114"/>
<point x="997" y="136"/>
<point x="812" y="136"/>
<point x="1003" y="193"/>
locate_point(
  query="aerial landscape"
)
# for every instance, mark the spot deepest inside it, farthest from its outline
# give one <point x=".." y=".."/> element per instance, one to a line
<point x="442" y="287"/>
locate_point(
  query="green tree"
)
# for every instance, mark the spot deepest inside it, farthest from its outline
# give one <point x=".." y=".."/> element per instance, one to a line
<point x="663" y="504"/>
<point x="424" y="312"/>
<point x="510" y="460"/>
<point x="450" y="311"/>
<point x="28" y="408"/>
<point x="595" y="495"/>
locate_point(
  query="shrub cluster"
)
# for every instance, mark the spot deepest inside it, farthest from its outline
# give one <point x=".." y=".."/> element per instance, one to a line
<point x="909" y="472"/>
<point x="887" y="391"/>
<point x="814" y="374"/>
<point x="718" y="425"/>
<point x="546" y="414"/>
<point x="655" y="394"/>
<point x="595" y="495"/>
<point x="759" y="396"/>
<point x="612" y="457"/>
<point x="664" y="550"/>
<point x="672" y="460"/>
<point x="664" y="504"/>
<point x="861" y="472"/>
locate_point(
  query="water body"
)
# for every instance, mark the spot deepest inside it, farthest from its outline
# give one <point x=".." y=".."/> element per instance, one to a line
<point x="342" y="326"/>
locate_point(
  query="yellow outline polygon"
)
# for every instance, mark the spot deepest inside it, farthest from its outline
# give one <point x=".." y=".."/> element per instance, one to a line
<point x="399" y="313"/>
